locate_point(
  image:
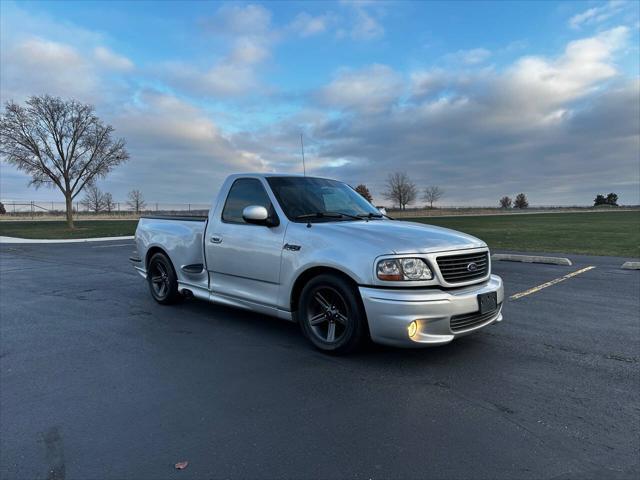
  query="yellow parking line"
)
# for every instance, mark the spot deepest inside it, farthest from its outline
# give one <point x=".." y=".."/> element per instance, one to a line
<point x="548" y="284"/>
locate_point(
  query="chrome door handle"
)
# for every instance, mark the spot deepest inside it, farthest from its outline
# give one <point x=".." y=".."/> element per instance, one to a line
<point x="215" y="239"/>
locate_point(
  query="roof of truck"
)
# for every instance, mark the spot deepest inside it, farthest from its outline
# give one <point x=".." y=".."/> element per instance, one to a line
<point x="269" y="174"/>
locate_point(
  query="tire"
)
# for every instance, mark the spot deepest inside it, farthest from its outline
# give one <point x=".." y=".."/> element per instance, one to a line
<point x="162" y="279"/>
<point x="331" y="314"/>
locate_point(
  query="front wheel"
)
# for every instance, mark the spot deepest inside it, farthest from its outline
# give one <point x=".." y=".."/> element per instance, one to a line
<point x="163" y="282"/>
<point x="331" y="315"/>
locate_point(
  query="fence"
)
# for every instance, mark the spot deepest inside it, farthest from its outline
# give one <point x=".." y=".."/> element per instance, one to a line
<point x="453" y="211"/>
<point x="34" y="209"/>
<point x="41" y="209"/>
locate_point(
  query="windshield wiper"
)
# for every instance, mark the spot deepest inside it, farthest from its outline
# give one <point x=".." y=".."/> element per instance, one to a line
<point x="318" y="215"/>
<point x="370" y="215"/>
<point x="327" y="215"/>
<point x="348" y="215"/>
<point x="375" y="215"/>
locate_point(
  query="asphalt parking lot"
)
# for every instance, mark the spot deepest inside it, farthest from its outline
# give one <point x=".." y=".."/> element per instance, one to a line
<point x="98" y="381"/>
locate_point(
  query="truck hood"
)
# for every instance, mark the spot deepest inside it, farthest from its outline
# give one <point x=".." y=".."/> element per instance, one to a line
<point x="401" y="237"/>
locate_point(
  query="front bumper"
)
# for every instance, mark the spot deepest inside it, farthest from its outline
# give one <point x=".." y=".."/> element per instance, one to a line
<point x="390" y="312"/>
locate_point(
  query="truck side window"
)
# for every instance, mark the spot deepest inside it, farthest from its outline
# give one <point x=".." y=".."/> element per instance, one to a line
<point x="243" y="193"/>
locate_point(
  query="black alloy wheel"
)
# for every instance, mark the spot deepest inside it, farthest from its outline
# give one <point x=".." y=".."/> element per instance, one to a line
<point x="331" y="314"/>
<point x="163" y="282"/>
<point x="327" y="314"/>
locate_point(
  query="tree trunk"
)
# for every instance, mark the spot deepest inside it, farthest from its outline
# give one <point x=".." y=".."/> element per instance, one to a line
<point x="69" y="203"/>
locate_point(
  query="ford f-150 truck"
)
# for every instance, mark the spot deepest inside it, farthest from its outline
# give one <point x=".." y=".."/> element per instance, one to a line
<point x="313" y="251"/>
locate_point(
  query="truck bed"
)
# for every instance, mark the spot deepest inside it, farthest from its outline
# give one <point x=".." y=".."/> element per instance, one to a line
<point x="186" y="218"/>
<point x="181" y="237"/>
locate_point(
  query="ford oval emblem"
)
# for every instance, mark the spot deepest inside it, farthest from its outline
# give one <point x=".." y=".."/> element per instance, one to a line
<point x="472" y="267"/>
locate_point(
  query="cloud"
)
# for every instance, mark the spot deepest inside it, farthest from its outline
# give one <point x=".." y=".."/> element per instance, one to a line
<point x="358" y="21"/>
<point x="240" y="20"/>
<point x="18" y="24"/>
<point x="225" y="79"/>
<point x="437" y="82"/>
<point x="596" y="15"/>
<point x="470" y="57"/>
<point x="250" y="38"/>
<point x="536" y="86"/>
<point x="234" y="74"/>
<point x="366" y="26"/>
<point x="558" y="128"/>
<point x="307" y="25"/>
<point x="248" y="51"/>
<point x="173" y="144"/>
<point x="37" y="66"/>
<point x="39" y="55"/>
<point x="371" y="89"/>
<point x="111" y="60"/>
<point x="361" y="20"/>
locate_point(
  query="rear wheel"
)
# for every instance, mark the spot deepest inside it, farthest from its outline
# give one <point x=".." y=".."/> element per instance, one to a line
<point x="331" y="315"/>
<point x="163" y="282"/>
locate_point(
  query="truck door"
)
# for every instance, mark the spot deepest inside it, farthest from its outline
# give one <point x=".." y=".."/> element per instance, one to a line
<point x="244" y="259"/>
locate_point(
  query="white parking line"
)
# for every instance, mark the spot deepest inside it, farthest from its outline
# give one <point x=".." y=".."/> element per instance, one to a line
<point x="548" y="284"/>
<point x="4" y="239"/>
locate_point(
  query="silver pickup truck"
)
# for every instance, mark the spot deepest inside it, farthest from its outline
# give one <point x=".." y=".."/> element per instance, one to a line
<point x="312" y="250"/>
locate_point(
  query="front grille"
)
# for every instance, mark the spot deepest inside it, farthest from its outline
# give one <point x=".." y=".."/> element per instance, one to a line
<point x="455" y="268"/>
<point x="470" y="320"/>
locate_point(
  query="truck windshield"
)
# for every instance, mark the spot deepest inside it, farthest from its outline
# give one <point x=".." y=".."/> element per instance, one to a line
<point x="305" y="199"/>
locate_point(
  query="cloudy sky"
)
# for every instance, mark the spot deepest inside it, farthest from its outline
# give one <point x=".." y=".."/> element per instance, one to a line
<point x="483" y="99"/>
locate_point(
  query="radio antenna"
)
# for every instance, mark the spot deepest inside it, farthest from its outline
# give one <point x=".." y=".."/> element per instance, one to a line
<point x="304" y="168"/>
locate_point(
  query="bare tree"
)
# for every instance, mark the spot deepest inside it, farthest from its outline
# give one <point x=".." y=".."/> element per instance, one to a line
<point x="505" y="202"/>
<point x="364" y="191"/>
<point x="432" y="194"/>
<point x="521" y="201"/>
<point x="400" y="189"/>
<point x="136" y="201"/>
<point x="60" y="143"/>
<point x="109" y="204"/>
<point x="93" y="199"/>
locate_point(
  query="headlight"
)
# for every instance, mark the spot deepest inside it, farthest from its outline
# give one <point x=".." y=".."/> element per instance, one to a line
<point x="389" y="270"/>
<point x="403" y="269"/>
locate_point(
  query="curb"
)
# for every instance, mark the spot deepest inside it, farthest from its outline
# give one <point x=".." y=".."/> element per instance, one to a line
<point x="531" y="259"/>
<point x="631" y="265"/>
<point x="66" y="240"/>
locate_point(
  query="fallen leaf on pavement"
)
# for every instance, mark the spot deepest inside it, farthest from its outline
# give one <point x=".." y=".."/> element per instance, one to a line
<point x="181" y="465"/>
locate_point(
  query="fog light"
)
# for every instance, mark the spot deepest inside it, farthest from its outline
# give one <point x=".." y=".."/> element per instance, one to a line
<point x="412" y="328"/>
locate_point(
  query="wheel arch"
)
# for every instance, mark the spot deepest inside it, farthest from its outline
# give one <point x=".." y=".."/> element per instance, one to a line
<point x="312" y="272"/>
<point x="152" y="251"/>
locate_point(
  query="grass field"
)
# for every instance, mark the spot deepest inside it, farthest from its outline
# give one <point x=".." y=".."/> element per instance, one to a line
<point x="58" y="229"/>
<point x="607" y="233"/>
